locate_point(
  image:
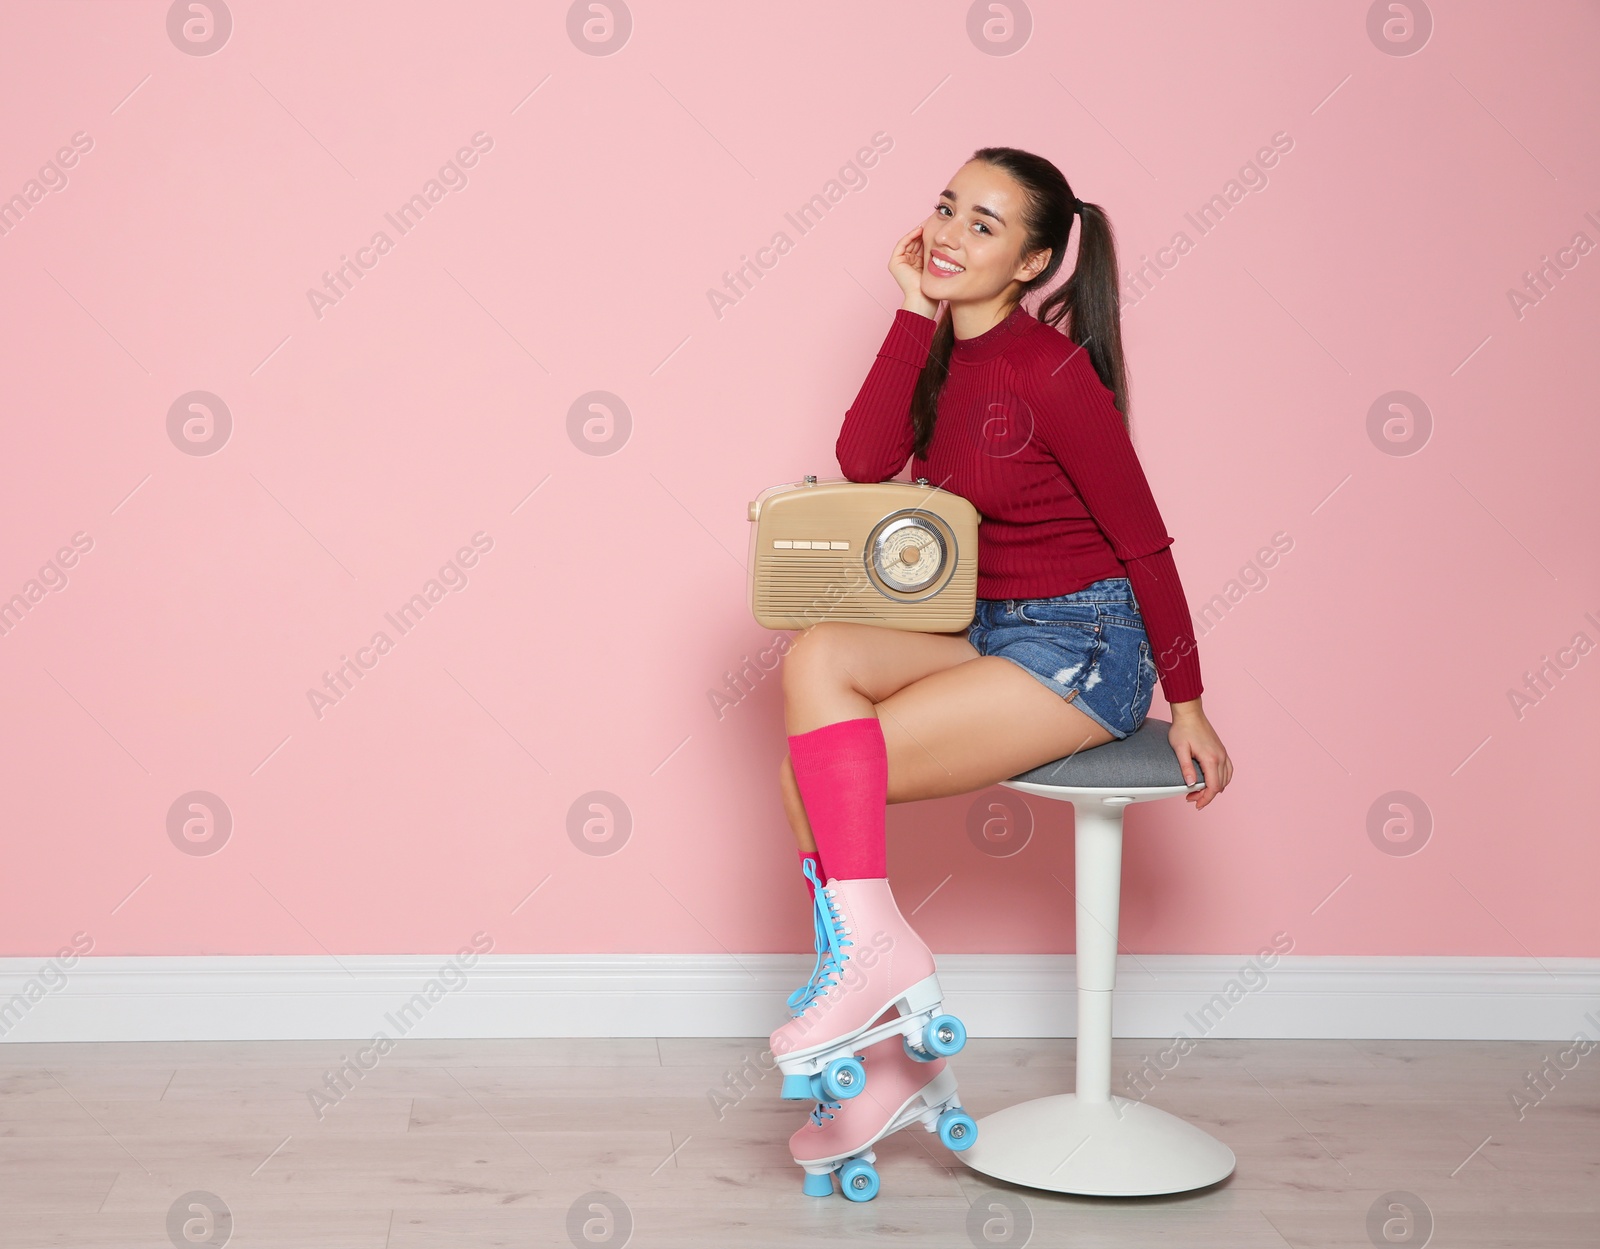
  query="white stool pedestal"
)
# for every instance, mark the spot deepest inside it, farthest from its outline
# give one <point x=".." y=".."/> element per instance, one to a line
<point x="1091" y="1141"/>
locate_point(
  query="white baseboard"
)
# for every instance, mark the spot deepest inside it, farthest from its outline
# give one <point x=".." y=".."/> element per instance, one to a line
<point x="221" y="997"/>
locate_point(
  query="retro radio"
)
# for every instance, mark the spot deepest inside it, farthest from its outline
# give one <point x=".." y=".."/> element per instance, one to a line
<point x="889" y="553"/>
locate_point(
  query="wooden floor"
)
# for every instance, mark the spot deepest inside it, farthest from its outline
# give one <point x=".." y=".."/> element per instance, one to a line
<point x="487" y="1143"/>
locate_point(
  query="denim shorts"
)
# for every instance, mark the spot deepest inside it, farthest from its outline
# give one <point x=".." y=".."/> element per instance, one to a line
<point x="1089" y="646"/>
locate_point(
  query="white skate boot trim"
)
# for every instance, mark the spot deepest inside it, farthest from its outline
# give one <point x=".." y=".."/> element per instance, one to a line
<point x="939" y="1094"/>
<point x="915" y="1006"/>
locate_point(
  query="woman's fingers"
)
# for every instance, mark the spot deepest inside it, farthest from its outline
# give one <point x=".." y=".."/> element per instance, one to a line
<point x="1218" y="771"/>
<point x="905" y="264"/>
<point x="909" y="245"/>
<point x="1214" y="764"/>
<point x="1184" y="764"/>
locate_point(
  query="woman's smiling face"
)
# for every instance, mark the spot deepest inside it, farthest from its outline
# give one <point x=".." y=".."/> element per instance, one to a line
<point x="977" y="227"/>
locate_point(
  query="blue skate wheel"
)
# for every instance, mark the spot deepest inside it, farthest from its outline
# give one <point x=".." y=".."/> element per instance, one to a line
<point x="799" y="1089"/>
<point x="956" y="1129"/>
<point x="858" y="1181"/>
<point x="843" y="1079"/>
<point x="817" y="1185"/>
<point x="916" y="1051"/>
<point x="944" y="1035"/>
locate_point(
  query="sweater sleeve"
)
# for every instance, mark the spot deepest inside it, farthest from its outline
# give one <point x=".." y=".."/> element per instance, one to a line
<point x="1155" y="583"/>
<point x="877" y="437"/>
<point x="1076" y="419"/>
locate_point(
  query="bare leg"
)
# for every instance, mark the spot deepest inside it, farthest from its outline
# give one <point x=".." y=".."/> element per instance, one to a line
<point x="837" y="671"/>
<point x="976" y="725"/>
<point x="953" y="721"/>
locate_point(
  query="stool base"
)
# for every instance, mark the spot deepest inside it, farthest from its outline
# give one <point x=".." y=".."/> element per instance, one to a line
<point x="1120" y="1148"/>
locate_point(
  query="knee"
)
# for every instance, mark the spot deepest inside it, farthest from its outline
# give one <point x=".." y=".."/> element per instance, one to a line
<point x="817" y="651"/>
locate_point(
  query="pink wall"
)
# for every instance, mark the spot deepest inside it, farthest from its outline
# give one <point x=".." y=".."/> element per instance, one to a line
<point x="376" y="439"/>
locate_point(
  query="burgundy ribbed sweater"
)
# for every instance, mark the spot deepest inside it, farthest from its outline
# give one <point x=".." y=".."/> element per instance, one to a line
<point x="1028" y="433"/>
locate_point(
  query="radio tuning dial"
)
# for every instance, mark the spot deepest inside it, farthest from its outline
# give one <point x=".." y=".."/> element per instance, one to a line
<point x="907" y="552"/>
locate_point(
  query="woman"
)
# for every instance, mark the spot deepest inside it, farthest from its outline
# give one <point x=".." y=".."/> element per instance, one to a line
<point x="1080" y="606"/>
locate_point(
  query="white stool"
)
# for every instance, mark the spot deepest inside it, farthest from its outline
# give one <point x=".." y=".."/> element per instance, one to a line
<point x="1091" y="1141"/>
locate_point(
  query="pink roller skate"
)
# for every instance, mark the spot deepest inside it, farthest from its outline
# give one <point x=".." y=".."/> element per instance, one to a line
<point x="839" y="1135"/>
<point x="874" y="962"/>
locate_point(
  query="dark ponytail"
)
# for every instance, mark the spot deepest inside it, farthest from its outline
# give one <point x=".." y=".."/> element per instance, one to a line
<point x="1087" y="300"/>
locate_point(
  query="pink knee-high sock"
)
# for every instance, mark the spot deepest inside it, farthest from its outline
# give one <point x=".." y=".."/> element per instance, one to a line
<point x="842" y="770"/>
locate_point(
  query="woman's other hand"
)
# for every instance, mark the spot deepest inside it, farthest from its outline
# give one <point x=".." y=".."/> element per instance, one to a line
<point x="1192" y="738"/>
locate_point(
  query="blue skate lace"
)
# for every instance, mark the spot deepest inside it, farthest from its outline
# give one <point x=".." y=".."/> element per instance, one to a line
<point x="801" y="997"/>
<point x="830" y="937"/>
<point x="823" y="1111"/>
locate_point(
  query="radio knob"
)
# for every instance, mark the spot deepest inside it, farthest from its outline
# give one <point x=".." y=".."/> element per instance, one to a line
<point x="907" y="552"/>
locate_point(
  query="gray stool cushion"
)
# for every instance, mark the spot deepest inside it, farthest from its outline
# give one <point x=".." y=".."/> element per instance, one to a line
<point x="1143" y="758"/>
